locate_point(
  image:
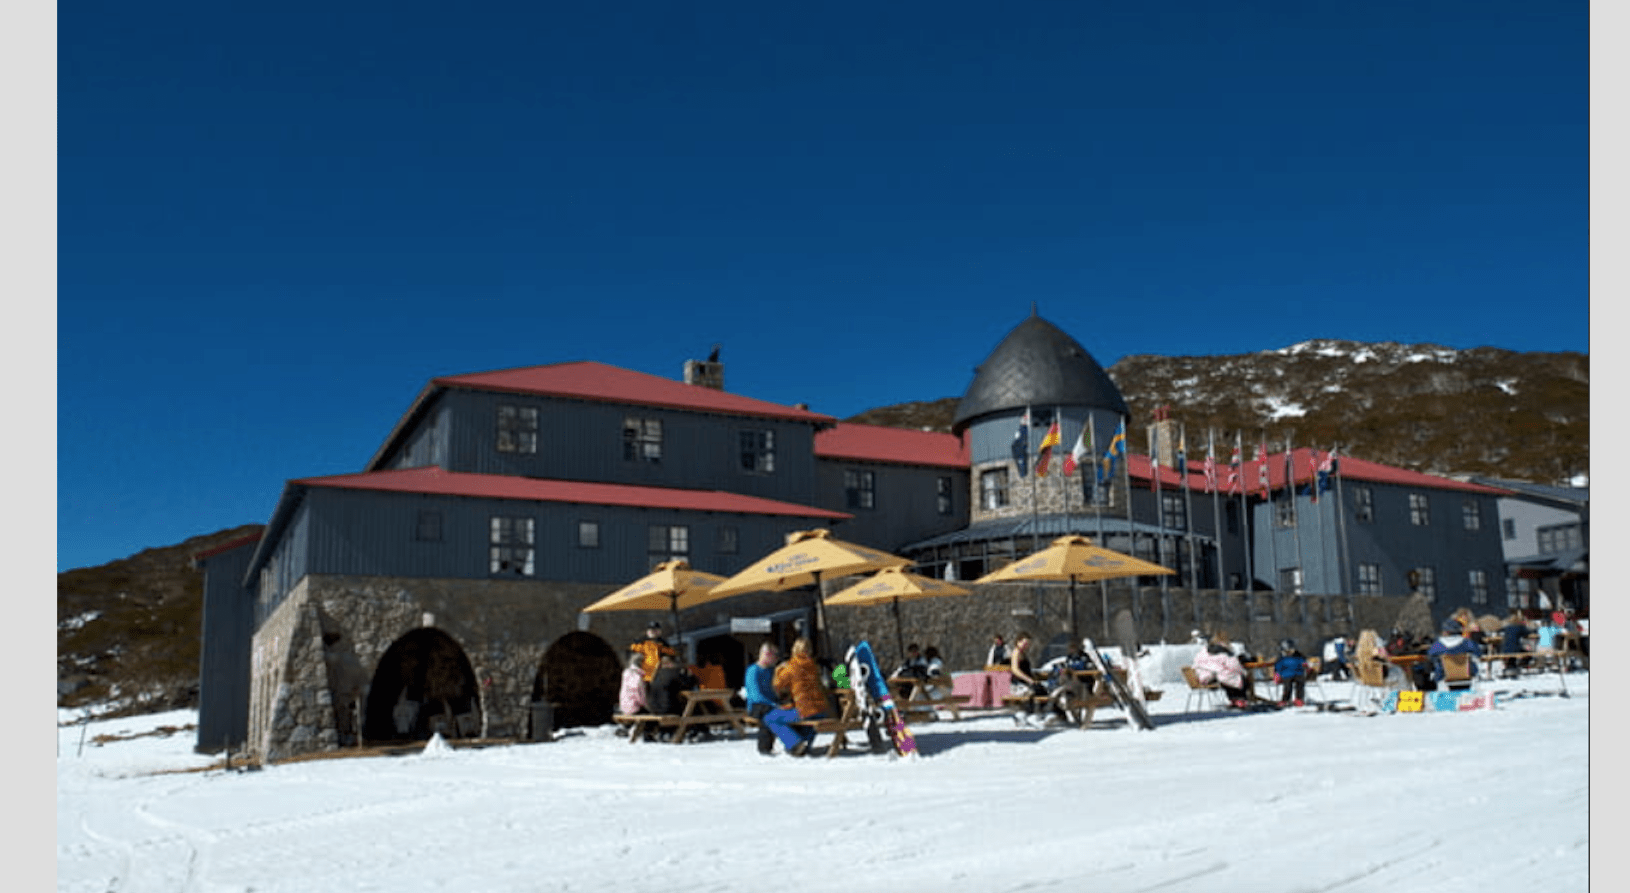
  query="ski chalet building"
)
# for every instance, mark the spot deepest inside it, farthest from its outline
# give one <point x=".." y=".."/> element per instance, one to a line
<point x="440" y="588"/>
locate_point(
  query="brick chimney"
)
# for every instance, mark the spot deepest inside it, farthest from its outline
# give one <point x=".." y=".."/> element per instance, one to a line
<point x="708" y="373"/>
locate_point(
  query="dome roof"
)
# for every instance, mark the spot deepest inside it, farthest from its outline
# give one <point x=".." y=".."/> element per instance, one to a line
<point x="1037" y="365"/>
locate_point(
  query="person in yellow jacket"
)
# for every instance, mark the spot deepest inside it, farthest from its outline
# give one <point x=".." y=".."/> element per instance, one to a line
<point x="799" y="680"/>
<point x="653" y="646"/>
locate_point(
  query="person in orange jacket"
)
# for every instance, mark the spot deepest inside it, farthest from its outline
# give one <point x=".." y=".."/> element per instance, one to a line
<point x="653" y="646"/>
<point x="799" y="680"/>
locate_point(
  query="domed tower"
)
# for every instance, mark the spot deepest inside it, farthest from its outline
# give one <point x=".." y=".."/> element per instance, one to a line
<point x="1037" y="369"/>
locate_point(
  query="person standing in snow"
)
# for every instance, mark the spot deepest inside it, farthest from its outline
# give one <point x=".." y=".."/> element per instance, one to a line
<point x="631" y="694"/>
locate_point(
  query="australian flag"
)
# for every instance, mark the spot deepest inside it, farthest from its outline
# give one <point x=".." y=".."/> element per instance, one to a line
<point x="1021" y="445"/>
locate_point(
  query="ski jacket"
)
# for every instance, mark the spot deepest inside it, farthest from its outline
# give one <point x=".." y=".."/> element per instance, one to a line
<point x="1224" y="668"/>
<point x="760" y="685"/>
<point x="653" y="649"/>
<point x="801" y="677"/>
<point x="1451" y="645"/>
<point x="1290" y="666"/>
<point x="631" y="696"/>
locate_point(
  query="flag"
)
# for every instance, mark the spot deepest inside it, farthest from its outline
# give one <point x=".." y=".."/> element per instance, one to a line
<point x="1117" y="450"/>
<point x="1211" y="467"/>
<point x="1046" y="452"/>
<point x="1073" y="458"/>
<point x="1262" y="469"/>
<point x="1154" y="460"/>
<point x="1182" y="456"/>
<point x="1021" y="445"/>
<point x="1327" y="470"/>
<point x="1236" y="483"/>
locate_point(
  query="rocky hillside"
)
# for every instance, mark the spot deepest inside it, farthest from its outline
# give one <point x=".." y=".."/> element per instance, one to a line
<point x="128" y="631"/>
<point x="1484" y="411"/>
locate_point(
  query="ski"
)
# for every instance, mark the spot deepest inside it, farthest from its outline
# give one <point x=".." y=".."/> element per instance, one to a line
<point x="1117" y="689"/>
<point x="876" y="703"/>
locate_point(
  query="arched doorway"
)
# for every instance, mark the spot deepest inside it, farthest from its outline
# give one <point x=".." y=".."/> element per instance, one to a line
<point x="424" y="684"/>
<point x="579" y="675"/>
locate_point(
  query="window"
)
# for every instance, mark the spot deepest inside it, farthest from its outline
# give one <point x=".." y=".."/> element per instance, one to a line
<point x="642" y="440"/>
<point x="1425" y="581"/>
<point x="860" y="489"/>
<point x="729" y="542"/>
<point x="1174" y="508"/>
<point x="1470" y="515"/>
<point x="757" y="451"/>
<point x="1420" y="512"/>
<point x="517" y="429"/>
<point x="1508" y="529"/>
<point x="1284" y="512"/>
<point x="1480" y="586"/>
<point x="993" y="489"/>
<point x="1290" y="580"/>
<point x="667" y="542"/>
<point x="1363" y="504"/>
<point x="588" y="534"/>
<point x="1369" y="579"/>
<point x="1559" y="538"/>
<point x="428" y="529"/>
<point x="511" y="551"/>
<point x="943" y="495"/>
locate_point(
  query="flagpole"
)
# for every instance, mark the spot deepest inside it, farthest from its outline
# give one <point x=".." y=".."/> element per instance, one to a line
<point x="1216" y="505"/>
<point x="1098" y="512"/>
<point x="1188" y="506"/>
<point x="1341" y="529"/>
<point x="1131" y="535"/>
<point x="1318" y="531"/>
<point x="1265" y="475"/>
<point x="1244" y="514"/>
<point x="1035" y="516"/>
<point x="1295" y="522"/>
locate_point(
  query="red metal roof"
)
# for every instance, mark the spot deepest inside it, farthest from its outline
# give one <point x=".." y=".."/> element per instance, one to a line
<point x="1350" y="469"/>
<point x="875" y="443"/>
<point x="433" y="480"/>
<point x="611" y="384"/>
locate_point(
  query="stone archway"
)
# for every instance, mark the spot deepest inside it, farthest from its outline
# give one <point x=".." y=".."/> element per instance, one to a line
<point x="424" y="684"/>
<point x="579" y="675"/>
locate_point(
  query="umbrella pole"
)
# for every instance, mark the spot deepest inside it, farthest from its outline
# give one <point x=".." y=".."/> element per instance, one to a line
<point x="673" y="606"/>
<point x="899" y="632"/>
<point x="1075" y="628"/>
<point x="819" y="637"/>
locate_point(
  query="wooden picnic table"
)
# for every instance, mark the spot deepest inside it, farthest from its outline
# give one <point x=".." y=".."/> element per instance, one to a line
<point x="704" y="707"/>
<point x="912" y="697"/>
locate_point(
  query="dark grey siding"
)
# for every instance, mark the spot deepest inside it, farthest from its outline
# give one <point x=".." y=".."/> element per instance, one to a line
<point x="583" y="441"/>
<point x="225" y="632"/>
<point x="906" y="506"/>
<point x="369" y="533"/>
<point x="426" y="442"/>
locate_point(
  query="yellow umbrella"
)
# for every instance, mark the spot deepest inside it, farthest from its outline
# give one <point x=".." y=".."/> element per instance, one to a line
<point x="894" y="584"/>
<point x="672" y="585"/>
<point x="1076" y="559"/>
<point x="807" y="556"/>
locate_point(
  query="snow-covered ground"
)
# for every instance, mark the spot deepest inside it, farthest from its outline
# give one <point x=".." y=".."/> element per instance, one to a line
<point x="1489" y="801"/>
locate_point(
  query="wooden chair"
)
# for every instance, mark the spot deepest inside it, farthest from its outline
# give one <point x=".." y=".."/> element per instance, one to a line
<point x="1457" y="671"/>
<point x="1208" y="693"/>
<point x="1369" y="682"/>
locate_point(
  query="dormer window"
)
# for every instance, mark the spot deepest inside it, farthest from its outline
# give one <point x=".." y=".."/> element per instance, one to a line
<point x="517" y="429"/>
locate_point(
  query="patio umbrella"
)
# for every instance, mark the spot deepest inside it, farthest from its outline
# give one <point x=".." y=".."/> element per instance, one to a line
<point x="895" y="584"/>
<point x="672" y="585"/>
<point x="1076" y="559"/>
<point x="803" y="561"/>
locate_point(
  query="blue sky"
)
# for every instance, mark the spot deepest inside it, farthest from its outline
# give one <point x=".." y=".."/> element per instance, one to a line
<point x="275" y="225"/>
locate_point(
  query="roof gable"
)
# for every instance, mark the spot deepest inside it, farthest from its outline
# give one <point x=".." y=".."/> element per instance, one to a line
<point x="612" y="384"/>
<point x="904" y="446"/>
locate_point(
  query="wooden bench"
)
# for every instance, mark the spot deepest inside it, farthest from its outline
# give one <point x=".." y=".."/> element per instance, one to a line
<point x="637" y="723"/>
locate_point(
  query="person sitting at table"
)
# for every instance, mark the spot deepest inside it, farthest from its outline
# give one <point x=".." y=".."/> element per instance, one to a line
<point x="1336" y="652"/>
<point x="1547" y="637"/>
<point x="1370" y="650"/>
<point x="998" y="654"/>
<point x="759" y="691"/>
<point x="1511" y="642"/>
<point x="1452" y="641"/>
<point x="653" y="646"/>
<point x="1290" y="671"/>
<point x="1021" y="674"/>
<point x="915" y="666"/>
<point x="631" y="693"/>
<point x="939" y="681"/>
<point x="1216" y="663"/>
<point x="663" y="695"/>
<point x="798" y="683"/>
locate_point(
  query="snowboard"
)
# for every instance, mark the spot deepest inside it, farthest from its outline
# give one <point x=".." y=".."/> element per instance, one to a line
<point x="1123" y="698"/>
<point x="875" y="702"/>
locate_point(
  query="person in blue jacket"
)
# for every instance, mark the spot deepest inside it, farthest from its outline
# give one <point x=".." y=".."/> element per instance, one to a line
<point x="1290" y="671"/>
<point x="759" y="690"/>
<point x="1451" y="642"/>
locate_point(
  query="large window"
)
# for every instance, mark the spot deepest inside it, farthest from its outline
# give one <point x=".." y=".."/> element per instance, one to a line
<point x="1290" y="580"/>
<point x="1284" y="512"/>
<point x="666" y="542"/>
<point x="1369" y="579"/>
<point x="944" y="500"/>
<point x="993" y="489"/>
<point x="860" y="489"/>
<point x="757" y="451"/>
<point x="1560" y="538"/>
<point x="1425" y="581"/>
<point x="588" y="534"/>
<point x="642" y="439"/>
<point x="1363" y="504"/>
<point x="511" y="546"/>
<point x="1174" y="509"/>
<point x="1420" y="511"/>
<point x="517" y="429"/>
<point x="1479" y="581"/>
<point x="1470" y="515"/>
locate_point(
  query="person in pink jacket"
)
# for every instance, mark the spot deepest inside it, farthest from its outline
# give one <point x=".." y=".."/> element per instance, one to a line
<point x="631" y="696"/>
<point x="1216" y="663"/>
